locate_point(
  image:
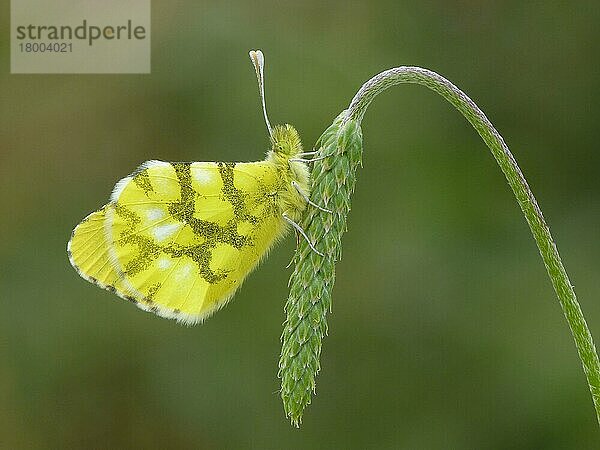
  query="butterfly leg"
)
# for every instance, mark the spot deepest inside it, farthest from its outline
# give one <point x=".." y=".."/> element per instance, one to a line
<point x="308" y="160"/>
<point x="295" y="250"/>
<point x="303" y="154"/>
<point x="299" y="229"/>
<point x="307" y="200"/>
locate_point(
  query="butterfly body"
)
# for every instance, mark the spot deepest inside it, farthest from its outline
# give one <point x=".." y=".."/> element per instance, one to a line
<point x="178" y="239"/>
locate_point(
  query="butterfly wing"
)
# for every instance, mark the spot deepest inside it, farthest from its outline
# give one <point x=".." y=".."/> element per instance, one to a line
<point x="88" y="252"/>
<point x="180" y="238"/>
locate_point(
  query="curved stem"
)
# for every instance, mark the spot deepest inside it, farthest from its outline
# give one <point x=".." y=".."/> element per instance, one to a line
<point x="516" y="180"/>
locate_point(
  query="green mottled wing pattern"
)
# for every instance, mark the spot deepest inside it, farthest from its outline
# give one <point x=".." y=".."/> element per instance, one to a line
<point x="179" y="238"/>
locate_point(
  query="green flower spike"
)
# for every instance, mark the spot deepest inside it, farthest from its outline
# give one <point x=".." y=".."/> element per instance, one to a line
<point x="333" y="180"/>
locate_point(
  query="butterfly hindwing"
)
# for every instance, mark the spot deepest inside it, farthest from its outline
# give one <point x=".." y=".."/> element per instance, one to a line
<point x="181" y="237"/>
<point x="88" y="252"/>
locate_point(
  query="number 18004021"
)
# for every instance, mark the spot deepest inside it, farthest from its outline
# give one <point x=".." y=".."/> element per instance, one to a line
<point x="43" y="47"/>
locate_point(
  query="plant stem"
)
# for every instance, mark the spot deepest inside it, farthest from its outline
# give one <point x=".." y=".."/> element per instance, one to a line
<point x="516" y="180"/>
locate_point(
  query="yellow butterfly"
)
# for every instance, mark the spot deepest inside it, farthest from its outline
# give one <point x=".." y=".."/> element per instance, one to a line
<point x="178" y="239"/>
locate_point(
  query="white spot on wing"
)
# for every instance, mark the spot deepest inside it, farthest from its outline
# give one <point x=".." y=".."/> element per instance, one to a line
<point x="184" y="272"/>
<point x="162" y="232"/>
<point x="155" y="214"/>
<point x="164" y="263"/>
<point x="202" y="175"/>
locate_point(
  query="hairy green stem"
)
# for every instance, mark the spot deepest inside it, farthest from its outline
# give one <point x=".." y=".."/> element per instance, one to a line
<point x="333" y="181"/>
<point x="516" y="180"/>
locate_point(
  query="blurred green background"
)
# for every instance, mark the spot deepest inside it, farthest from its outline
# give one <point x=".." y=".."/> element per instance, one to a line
<point x="445" y="331"/>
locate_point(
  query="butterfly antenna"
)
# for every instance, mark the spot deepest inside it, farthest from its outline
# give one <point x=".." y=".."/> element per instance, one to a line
<point x="258" y="60"/>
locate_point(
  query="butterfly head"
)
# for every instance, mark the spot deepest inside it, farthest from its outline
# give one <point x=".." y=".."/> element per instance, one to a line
<point x="285" y="141"/>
